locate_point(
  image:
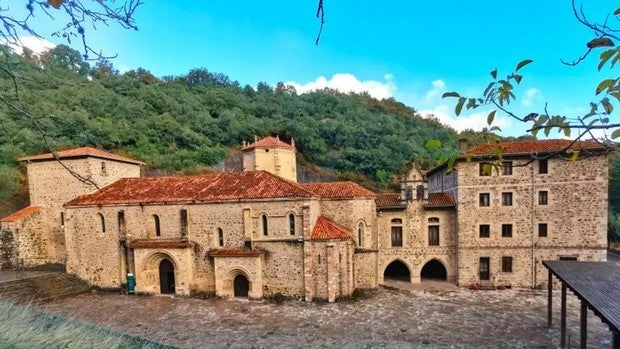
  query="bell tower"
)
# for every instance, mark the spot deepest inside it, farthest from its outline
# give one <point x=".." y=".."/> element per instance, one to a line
<point x="272" y="155"/>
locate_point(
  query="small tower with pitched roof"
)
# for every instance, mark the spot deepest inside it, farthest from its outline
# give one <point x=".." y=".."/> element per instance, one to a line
<point x="272" y="155"/>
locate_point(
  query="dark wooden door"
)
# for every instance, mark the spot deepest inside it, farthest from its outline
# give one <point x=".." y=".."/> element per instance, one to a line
<point x="484" y="268"/>
<point x="241" y="286"/>
<point x="166" y="276"/>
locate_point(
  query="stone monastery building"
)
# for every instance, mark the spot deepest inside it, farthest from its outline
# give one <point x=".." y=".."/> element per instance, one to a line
<point x="260" y="233"/>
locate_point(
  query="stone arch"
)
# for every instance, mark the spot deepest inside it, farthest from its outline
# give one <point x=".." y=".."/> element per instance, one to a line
<point x="434" y="269"/>
<point x="240" y="281"/>
<point x="152" y="265"/>
<point x="397" y="269"/>
<point x="155" y="258"/>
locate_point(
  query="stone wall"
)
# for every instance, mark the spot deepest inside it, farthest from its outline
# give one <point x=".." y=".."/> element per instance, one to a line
<point x="330" y="264"/>
<point x="227" y="268"/>
<point x="281" y="162"/>
<point x="282" y="268"/>
<point x="415" y="251"/>
<point x="92" y="254"/>
<point x="575" y="214"/>
<point x="36" y="241"/>
<point x="51" y="185"/>
<point x="350" y="214"/>
<point x="146" y="269"/>
<point x="365" y="269"/>
<point x="39" y="238"/>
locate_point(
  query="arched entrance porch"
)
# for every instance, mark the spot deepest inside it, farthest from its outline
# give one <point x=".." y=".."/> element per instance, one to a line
<point x="397" y="270"/>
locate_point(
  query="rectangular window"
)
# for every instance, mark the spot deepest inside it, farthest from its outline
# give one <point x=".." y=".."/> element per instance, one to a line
<point x="543" y="197"/>
<point x="507" y="168"/>
<point x="62" y="219"/>
<point x="507" y="264"/>
<point x="568" y="258"/>
<point x="484" y="199"/>
<point x="506" y="230"/>
<point x="506" y="199"/>
<point x="397" y="236"/>
<point x="484" y="169"/>
<point x="485" y="230"/>
<point x="433" y="235"/>
<point x="543" y="166"/>
<point x="183" y="223"/>
<point x="542" y="230"/>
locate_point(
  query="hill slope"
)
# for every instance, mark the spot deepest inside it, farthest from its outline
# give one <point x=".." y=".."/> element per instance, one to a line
<point x="193" y="121"/>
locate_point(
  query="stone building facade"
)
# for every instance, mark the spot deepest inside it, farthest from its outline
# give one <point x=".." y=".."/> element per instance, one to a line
<point x="534" y="205"/>
<point x="259" y="233"/>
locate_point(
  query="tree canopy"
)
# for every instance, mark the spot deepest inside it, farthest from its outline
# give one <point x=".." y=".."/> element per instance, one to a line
<point x="192" y="121"/>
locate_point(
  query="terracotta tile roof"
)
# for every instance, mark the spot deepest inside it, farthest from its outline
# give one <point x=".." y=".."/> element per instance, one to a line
<point x="79" y="153"/>
<point x="339" y="190"/>
<point x="534" y="146"/>
<point x="388" y="200"/>
<point x="440" y="200"/>
<point x="23" y="213"/>
<point x="159" y="243"/>
<point x="269" y="142"/>
<point x="199" y="188"/>
<point x="325" y="229"/>
<point x="233" y="252"/>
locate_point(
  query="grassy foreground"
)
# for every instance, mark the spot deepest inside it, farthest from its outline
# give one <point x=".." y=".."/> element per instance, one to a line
<point x="25" y="327"/>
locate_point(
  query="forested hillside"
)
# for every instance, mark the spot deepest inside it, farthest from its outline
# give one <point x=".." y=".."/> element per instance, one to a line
<point x="190" y="122"/>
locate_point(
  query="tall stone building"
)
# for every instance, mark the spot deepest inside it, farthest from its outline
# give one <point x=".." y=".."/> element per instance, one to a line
<point x="259" y="233"/>
<point x="535" y="205"/>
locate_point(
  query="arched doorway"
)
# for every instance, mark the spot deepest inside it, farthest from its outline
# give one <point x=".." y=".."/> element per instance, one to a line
<point x="166" y="276"/>
<point x="434" y="270"/>
<point x="241" y="286"/>
<point x="397" y="270"/>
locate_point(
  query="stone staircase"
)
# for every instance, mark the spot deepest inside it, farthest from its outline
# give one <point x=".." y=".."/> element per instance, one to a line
<point x="42" y="289"/>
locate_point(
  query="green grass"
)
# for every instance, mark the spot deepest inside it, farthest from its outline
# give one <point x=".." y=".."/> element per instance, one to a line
<point x="25" y="327"/>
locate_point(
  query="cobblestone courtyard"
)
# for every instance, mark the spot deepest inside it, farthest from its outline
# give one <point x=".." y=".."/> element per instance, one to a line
<point x="394" y="318"/>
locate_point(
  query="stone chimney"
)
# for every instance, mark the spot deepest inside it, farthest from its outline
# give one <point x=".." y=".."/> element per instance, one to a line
<point x="462" y="145"/>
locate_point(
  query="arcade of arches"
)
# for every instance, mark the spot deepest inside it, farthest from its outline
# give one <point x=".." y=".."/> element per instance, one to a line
<point x="432" y="270"/>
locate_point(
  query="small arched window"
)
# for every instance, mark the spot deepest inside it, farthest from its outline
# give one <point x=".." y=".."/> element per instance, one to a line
<point x="360" y="234"/>
<point x="220" y="237"/>
<point x="265" y="225"/>
<point x="157" y="226"/>
<point x="291" y="223"/>
<point x="102" y="221"/>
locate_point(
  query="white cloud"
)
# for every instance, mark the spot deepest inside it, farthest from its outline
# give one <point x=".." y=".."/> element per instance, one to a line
<point x="474" y="121"/>
<point x="346" y="82"/>
<point x="35" y="44"/>
<point x="439" y="87"/>
<point x="532" y="95"/>
<point x="433" y="105"/>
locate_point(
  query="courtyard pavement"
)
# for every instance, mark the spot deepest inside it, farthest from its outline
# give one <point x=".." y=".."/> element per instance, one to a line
<point x="397" y="316"/>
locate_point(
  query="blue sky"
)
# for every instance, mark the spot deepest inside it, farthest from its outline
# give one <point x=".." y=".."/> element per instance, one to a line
<point x="410" y="50"/>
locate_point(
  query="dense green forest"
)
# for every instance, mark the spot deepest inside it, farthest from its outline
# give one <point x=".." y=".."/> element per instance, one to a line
<point x="192" y="122"/>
